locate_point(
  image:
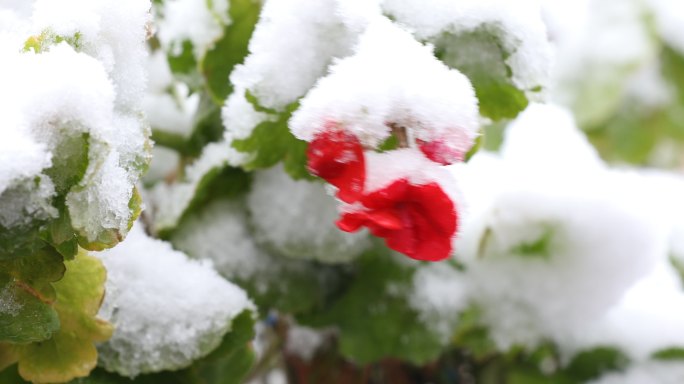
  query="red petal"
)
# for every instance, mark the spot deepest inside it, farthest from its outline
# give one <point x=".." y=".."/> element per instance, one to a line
<point x="439" y="152"/>
<point x="436" y="205"/>
<point x="351" y="221"/>
<point x="337" y="157"/>
<point x="388" y="196"/>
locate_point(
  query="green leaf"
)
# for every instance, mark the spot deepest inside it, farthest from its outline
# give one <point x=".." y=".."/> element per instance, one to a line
<point x="374" y="318"/>
<point x="233" y="359"/>
<point x="481" y="56"/>
<point x="227" y="364"/>
<point x="672" y="353"/>
<point x="70" y="352"/>
<point x="25" y="317"/>
<point x="591" y="364"/>
<point x="230" y="49"/>
<point x="537" y="249"/>
<point x="218" y="182"/>
<point x="207" y="128"/>
<point x="110" y="237"/>
<point x="47" y="38"/>
<point x="27" y="295"/>
<point x="183" y="63"/>
<point x="471" y="335"/>
<point x="69" y="167"/>
<point x="11" y="376"/>
<point x="271" y="142"/>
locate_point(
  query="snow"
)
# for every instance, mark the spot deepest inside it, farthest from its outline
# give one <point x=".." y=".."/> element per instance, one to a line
<point x="439" y="294"/>
<point x="62" y="92"/>
<point x="26" y="201"/>
<point x="297" y="219"/>
<point x="8" y="302"/>
<point x="240" y="117"/>
<point x="165" y="163"/>
<point x="303" y="341"/>
<point x="219" y="232"/>
<point x="669" y="18"/>
<point x="592" y="59"/>
<point x="656" y="372"/>
<point x="290" y="50"/>
<point x="553" y="230"/>
<point x="647" y="319"/>
<point x="103" y="203"/>
<point x="518" y="24"/>
<point x="167" y="310"/>
<point x="391" y="79"/>
<point x="169" y="201"/>
<point x="169" y="106"/>
<point x="198" y="21"/>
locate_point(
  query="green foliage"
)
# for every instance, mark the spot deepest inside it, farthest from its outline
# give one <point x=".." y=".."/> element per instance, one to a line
<point x="218" y="182"/>
<point x="184" y="63"/>
<point x="272" y="142"/>
<point x="230" y="49"/>
<point x="207" y="128"/>
<point x="481" y="56"/>
<point x="631" y="132"/>
<point x="29" y="295"/>
<point x="537" y="249"/>
<point x="110" y="237"/>
<point x="70" y="166"/>
<point x="70" y="352"/>
<point x="42" y="42"/>
<point x="591" y="364"/>
<point x="374" y="317"/>
<point x="472" y="336"/>
<point x="227" y="364"/>
<point x="673" y="353"/>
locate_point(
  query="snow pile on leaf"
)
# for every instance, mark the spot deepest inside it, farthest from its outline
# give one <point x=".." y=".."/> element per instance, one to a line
<point x="197" y="22"/>
<point x="168" y="310"/>
<point x="518" y="27"/>
<point x="219" y="232"/>
<point x="72" y="89"/>
<point x="661" y="372"/>
<point x="296" y="219"/>
<point x="391" y="80"/>
<point x="168" y="104"/>
<point x="554" y="232"/>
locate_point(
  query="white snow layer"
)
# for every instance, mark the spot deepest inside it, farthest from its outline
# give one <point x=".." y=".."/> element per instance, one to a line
<point x="167" y="310"/>
<point x="197" y="21"/>
<point x="391" y="79"/>
<point x="518" y="24"/>
<point x="297" y="219"/>
<point x="562" y="248"/>
<point x="652" y="372"/>
<point x="168" y="202"/>
<point x="219" y="232"/>
<point x="57" y="95"/>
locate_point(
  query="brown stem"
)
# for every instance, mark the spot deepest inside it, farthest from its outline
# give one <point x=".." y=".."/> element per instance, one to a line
<point x="400" y="133"/>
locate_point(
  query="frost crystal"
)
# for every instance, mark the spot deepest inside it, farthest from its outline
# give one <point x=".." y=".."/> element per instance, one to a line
<point x="167" y="310"/>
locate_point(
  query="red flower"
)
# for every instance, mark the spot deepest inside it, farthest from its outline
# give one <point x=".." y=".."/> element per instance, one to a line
<point x="416" y="220"/>
<point x="337" y="157"/>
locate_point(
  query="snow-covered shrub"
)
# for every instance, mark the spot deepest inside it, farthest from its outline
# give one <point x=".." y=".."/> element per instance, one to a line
<point x="340" y="191"/>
